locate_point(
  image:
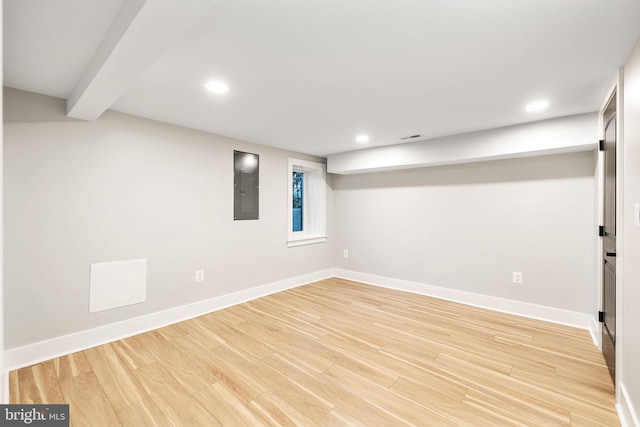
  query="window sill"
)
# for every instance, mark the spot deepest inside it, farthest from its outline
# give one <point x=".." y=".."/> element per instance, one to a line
<point x="306" y="240"/>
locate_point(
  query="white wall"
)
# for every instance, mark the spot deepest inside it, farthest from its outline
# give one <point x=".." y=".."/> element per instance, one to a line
<point x="124" y="187"/>
<point x="3" y="375"/>
<point x="628" y="346"/>
<point x="468" y="227"/>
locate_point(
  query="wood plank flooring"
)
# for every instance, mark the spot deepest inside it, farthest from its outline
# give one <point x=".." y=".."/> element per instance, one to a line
<point x="334" y="353"/>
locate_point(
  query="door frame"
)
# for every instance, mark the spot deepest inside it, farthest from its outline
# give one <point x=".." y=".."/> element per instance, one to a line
<point x="618" y="89"/>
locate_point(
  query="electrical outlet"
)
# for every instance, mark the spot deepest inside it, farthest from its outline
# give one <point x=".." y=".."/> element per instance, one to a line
<point x="199" y="275"/>
<point x="345" y="253"/>
<point x="517" y="277"/>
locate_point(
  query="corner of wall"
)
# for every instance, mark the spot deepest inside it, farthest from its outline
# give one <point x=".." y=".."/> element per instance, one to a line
<point x="4" y="378"/>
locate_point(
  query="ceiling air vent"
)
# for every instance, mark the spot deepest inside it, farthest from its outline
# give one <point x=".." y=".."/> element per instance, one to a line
<point x="407" y="138"/>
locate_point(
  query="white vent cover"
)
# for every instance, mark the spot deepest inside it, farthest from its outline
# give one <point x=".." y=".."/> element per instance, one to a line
<point x="118" y="283"/>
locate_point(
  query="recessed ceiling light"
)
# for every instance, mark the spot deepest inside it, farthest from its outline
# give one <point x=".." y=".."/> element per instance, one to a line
<point x="217" y="87"/>
<point x="362" y="138"/>
<point x="537" y="106"/>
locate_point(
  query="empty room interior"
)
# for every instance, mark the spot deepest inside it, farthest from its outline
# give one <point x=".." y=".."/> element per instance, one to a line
<point x="356" y="213"/>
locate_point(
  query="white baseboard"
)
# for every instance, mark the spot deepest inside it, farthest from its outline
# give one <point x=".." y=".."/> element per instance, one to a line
<point x="5" y="384"/>
<point x="533" y="311"/>
<point x="27" y="355"/>
<point x="626" y="411"/>
<point x="596" y="333"/>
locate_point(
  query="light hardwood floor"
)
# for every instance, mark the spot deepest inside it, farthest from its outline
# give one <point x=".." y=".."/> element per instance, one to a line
<point x="334" y="353"/>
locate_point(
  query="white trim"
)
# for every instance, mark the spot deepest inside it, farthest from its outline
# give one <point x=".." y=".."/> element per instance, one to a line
<point x="30" y="354"/>
<point x="628" y="415"/>
<point x="306" y="240"/>
<point x="596" y="334"/>
<point x="533" y="311"/>
<point x="620" y="221"/>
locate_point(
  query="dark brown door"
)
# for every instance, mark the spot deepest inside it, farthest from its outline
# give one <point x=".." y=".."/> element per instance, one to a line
<point x="609" y="240"/>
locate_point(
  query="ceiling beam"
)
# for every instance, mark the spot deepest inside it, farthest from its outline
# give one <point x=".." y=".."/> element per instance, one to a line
<point x="141" y="32"/>
<point x="545" y="137"/>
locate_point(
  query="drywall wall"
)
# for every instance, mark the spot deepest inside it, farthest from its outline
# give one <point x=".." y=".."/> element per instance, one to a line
<point x="121" y="188"/>
<point x="3" y="398"/>
<point x="629" y="344"/>
<point x="3" y="375"/>
<point x="553" y="136"/>
<point x="468" y="227"/>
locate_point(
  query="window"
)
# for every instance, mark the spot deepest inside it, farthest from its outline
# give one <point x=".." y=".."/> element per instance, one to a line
<point x="297" y="198"/>
<point x="306" y="203"/>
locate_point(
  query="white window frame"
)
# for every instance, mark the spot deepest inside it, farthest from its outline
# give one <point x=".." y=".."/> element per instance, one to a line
<point x="314" y="208"/>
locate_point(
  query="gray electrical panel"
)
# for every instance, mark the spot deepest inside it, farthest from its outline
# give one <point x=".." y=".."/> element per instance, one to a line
<point x="246" y="185"/>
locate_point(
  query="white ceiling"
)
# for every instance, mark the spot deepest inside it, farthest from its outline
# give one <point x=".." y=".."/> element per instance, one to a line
<point x="309" y="75"/>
